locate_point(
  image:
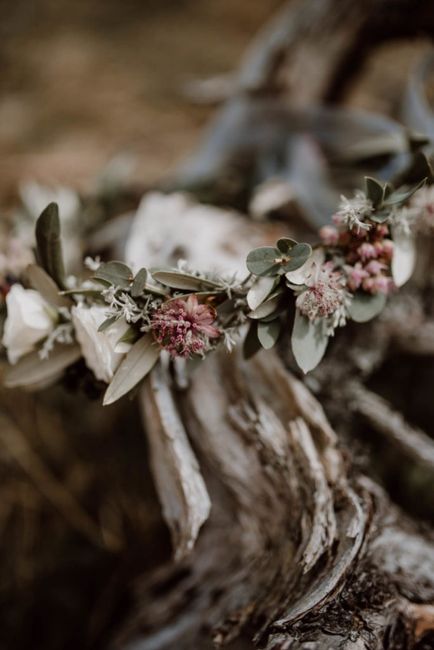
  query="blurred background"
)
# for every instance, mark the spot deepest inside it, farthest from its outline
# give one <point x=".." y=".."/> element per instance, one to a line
<point x="82" y="82"/>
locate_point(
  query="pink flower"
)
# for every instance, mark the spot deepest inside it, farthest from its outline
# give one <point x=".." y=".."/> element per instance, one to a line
<point x="325" y="293"/>
<point x="374" y="267"/>
<point x="367" y="251"/>
<point x="378" y="284"/>
<point x="355" y="274"/>
<point x="385" y="248"/>
<point x="184" y="326"/>
<point x="329" y="235"/>
<point x="381" y="230"/>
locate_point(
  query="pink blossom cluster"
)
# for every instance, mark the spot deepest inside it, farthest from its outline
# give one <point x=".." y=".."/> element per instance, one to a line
<point x="184" y="327"/>
<point x="367" y="255"/>
<point x="325" y="294"/>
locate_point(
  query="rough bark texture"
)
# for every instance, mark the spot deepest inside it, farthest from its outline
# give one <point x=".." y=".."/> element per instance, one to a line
<point x="301" y="548"/>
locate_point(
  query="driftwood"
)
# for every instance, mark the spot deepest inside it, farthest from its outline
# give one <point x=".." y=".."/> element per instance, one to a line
<point x="282" y="538"/>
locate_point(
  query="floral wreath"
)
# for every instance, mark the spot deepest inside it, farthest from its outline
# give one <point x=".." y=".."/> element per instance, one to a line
<point x="121" y="323"/>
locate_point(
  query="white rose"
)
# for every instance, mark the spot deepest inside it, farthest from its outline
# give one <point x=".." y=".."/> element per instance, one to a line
<point x="101" y="350"/>
<point x="29" y="320"/>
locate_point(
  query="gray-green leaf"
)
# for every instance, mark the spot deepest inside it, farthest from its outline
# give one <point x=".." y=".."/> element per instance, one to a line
<point x="139" y="283"/>
<point x="183" y="281"/>
<point x="268" y="333"/>
<point x="262" y="261"/>
<point x="374" y="191"/>
<point x="117" y="274"/>
<point x="297" y="257"/>
<point x="268" y="306"/>
<point x="49" y="244"/>
<point x="251" y="344"/>
<point x="45" y="285"/>
<point x="403" y="195"/>
<point x="133" y="368"/>
<point x="309" y="341"/>
<point x="365" y="306"/>
<point x="32" y="370"/>
<point x="404" y="257"/>
<point x="260" y="289"/>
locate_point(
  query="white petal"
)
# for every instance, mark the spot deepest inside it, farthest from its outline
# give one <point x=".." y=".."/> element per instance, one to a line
<point x="404" y="257"/>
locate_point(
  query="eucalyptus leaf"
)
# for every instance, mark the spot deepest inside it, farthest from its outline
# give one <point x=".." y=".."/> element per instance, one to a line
<point x="297" y="257"/>
<point x="117" y="274"/>
<point x="268" y="307"/>
<point x="260" y="289"/>
<point x="404" y="257"/>
<point x="49" y="244"/>
<point x="107" y="322"/>
<point x="130" y="336"/>
<point x="32" y="370"/>
<point x="139" y="283"/>
<point x="309" y="341"/>
<point x="365" y="306"/>
<point x="133" y="368"/>
<point x="184" y="281"/>
<point x="381" y="216"/>
<point x="374" y="191"/>
<point x="268" y="333"/>
<point x="403" y="195"/>
<point x="420" y="167"/>
<point x="285" y="244"/>
<point x="45" y="285"/>
<point x="251" y="344"/>
<point x="262" y="261"/>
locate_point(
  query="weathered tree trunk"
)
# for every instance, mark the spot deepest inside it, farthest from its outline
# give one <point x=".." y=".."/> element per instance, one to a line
<point x="301" y="549"/>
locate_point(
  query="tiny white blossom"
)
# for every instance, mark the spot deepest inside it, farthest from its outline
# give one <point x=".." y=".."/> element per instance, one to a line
<point x="352" y="212"/>
<point x="92" y="263"/>
<point x="63" y="334"/>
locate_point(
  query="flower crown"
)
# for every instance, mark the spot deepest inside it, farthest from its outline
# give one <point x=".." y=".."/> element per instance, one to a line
<point x="121" y="322"/>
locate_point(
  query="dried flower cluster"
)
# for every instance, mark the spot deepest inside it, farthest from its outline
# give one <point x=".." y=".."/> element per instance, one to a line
<point x="365" y="254"/>
<point x="120" y="321"/>
<point x="185" y="327"/>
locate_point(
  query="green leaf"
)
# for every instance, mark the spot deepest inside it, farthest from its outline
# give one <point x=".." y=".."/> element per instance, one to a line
<point x="133" y="368"/>
<point x="309" y="341"/>
<point x="268" y="333"/>
<point x="388" y="189"/>
<point x="49" y="244"/>
<point x="251" y="344"/>
<point x="107" y="322"/>
<point x="268" y="307"/>
<point x="260" y="289"/>
<point x="139" y="283"/>
<point x="39" y="280"/>
<point x="31" y="369"/>
<point x="401" y="196"/>
<point x="297" y="257"/>
<point x="365" y="306"/>
<point x="285" y="244"/>
<point x="183" y="281"/>
<point x="130" y="336"/>
<point x="262" y="261"/>
<point x="381" y="216"/>
<point x="117" y="274"/>
<point x="374" y="191"/>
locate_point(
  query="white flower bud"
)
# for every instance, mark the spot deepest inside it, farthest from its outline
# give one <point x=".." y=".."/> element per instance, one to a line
<point x="101" y="350"/>
<point x="30" y="319"/>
